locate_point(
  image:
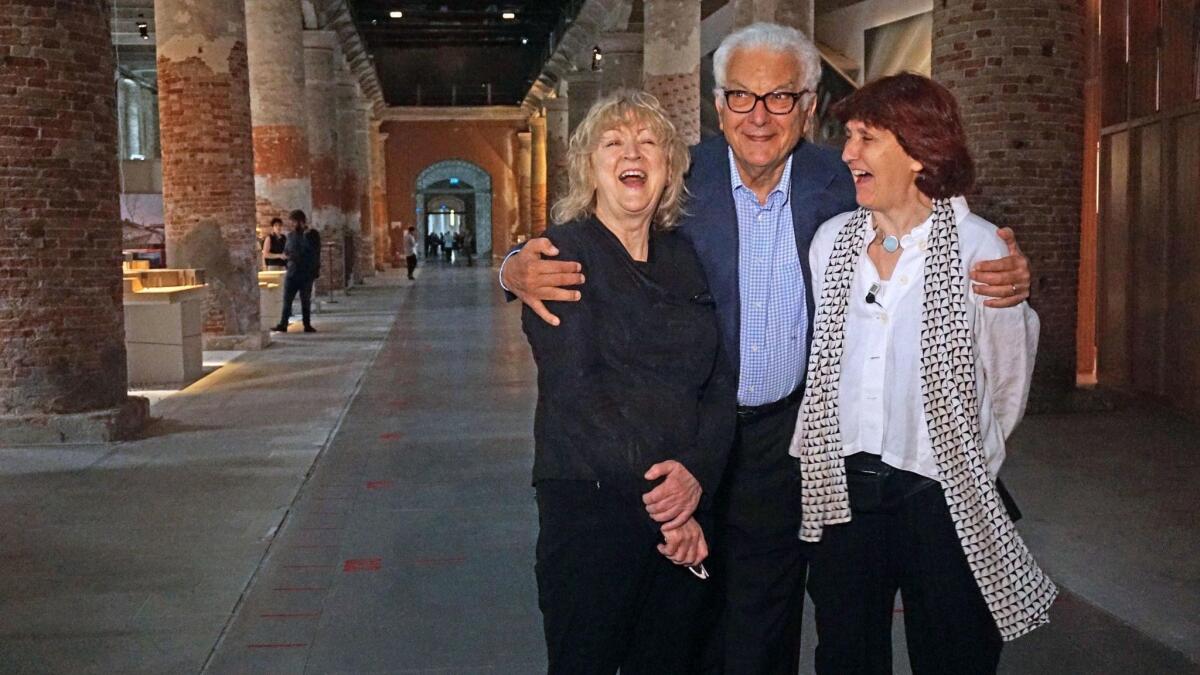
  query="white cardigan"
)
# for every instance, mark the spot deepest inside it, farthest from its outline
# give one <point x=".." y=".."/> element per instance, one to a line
<point x="880" y="393"/>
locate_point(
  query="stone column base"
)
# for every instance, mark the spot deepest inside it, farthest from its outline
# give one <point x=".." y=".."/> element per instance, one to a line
<point x="102" y="426"/>
<point x="248" y="343"/>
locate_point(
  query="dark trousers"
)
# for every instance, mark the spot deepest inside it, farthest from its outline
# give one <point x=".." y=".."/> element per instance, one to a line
<point x="411" y="263"/>
<point x="901" y="537"/>
<point x="609" y="599"/>
<point x="292" y="286"/>
<point x="759" y="562"/>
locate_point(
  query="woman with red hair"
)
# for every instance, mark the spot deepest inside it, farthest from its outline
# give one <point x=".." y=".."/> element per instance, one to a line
<point x="912" y="390"/>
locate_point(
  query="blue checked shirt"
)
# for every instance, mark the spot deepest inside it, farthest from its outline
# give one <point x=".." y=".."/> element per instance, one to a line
<point x="774" y="312"/>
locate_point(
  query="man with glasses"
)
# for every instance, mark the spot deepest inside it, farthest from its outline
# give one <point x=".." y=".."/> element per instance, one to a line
<point x="758" y="194"/>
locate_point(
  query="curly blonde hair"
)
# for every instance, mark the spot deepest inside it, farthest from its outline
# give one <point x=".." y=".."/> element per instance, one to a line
<point x="622" y="107"/>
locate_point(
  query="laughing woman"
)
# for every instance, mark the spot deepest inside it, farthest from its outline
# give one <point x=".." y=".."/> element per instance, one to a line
<point x="912" y="389"/>
<point x="631" y="386"/>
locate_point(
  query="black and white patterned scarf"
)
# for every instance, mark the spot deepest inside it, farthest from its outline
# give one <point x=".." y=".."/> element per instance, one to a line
<point x="1016" y="590"/>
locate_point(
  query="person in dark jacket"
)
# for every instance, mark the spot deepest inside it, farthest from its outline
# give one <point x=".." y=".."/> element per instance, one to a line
<point x="632" y="385"/>
<point x="300" y="271"/>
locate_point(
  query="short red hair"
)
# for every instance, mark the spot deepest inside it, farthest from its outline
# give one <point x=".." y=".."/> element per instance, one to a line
<point x="923" y="116"/>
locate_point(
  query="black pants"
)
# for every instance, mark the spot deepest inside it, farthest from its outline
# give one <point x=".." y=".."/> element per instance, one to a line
<point x="292" y="286"/>
<point x="901" y="538"/>
<point x="411" y="263"/>
<point x="760" y="563"/>
<point x="609" y="599"/>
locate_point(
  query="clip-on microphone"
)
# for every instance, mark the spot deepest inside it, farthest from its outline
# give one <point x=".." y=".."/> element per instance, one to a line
<point x="871" y="294"/>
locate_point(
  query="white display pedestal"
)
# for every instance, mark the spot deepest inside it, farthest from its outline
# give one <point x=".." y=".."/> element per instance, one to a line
<point x="270" y="297"/>
<point x="163" y="328"/>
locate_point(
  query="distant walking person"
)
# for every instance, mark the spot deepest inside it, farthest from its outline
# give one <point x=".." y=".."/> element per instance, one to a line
<point x="300" y="271"/>
<point x="410" y="250"/>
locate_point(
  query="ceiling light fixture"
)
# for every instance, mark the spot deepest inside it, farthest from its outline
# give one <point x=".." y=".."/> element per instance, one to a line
<point x="524" y="40"/>
<point x="508" y="16"/>
<point x="396" y="14"/>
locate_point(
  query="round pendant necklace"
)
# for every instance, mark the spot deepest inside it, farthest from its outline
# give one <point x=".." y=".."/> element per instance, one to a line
<point x="890" y="243"/>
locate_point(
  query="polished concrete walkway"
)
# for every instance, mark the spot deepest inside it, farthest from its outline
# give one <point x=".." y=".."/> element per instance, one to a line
<point x="357" y="501"/>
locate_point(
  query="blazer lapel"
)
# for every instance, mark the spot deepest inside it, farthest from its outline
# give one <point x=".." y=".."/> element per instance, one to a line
<point x="713" y="230"/>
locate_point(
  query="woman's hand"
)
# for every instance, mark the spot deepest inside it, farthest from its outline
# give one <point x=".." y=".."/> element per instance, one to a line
<point x="674" y="500"/>
<point x="685" y="545"/>
<point x="1006" y="280"/>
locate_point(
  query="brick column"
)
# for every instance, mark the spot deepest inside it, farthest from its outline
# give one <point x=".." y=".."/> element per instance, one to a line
<point x="524" y="188"/>
<point x="558" y="136"/>
<point x="537" y="198"/>
<point x="1017" y="71"/>
<point x="349" y="117"/>
<point x="622" y="63"/>
<point x="379" y="205"/>
<point x="672" y="61"/>
<point x="583" y="88"/>
<point x="62" y="334"/>
<point x="364" y="266"/>
<point x="321" y="106"/>
<point x="275" y="47"/>
<point x="208" y="161"/>
<point x="795" y="13"/>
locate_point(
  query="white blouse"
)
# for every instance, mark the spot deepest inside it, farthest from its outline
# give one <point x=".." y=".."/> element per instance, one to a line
<point x="880" y="398"/>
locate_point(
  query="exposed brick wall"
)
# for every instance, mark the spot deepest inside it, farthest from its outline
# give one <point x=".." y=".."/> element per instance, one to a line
<point x="1017" y="69"/>
<point x="275" y="51"/>
<point x="61" y="324"/>
<point x="413" y="146"/>
<point x="671" y="61"/>
<point x="208" y="164"/>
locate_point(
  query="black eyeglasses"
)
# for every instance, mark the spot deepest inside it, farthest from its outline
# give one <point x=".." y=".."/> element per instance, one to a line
<point x="776" y="102"/>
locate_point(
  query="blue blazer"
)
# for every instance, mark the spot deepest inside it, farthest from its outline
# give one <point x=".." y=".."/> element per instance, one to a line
<point x="821" y="188"/>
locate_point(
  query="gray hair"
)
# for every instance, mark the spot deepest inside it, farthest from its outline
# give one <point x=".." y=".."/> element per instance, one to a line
<point x="773" y="37"/>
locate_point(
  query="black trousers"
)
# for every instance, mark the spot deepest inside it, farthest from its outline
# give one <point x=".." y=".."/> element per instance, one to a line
<point x="609" y="599"/>
<point x="411" y="263"/>
<point x="292" y="286"/>
<point x="901" y="537"/>
<point x="759" y="564"/>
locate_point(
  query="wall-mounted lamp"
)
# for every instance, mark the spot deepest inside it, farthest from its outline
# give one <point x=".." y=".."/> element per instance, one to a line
<point x="597" y="58"/>
<point x="143" y="27"/>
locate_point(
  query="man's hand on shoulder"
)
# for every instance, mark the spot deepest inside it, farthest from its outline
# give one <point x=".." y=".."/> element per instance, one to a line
<point x="534" y="280"/>
<point x="1006" y="280"/>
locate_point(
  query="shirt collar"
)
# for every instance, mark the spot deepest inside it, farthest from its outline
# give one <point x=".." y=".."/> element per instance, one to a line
<point x="782" y="188"/>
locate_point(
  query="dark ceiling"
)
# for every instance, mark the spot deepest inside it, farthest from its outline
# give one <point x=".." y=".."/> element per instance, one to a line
<point x="460" y="52"/>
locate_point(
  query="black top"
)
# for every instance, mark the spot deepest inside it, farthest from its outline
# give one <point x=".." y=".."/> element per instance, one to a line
<point x="634" y="375"/>
<point x="278" y="241"/>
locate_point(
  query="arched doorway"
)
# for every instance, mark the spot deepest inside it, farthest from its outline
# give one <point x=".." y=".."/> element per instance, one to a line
<point x="466" y="183"/>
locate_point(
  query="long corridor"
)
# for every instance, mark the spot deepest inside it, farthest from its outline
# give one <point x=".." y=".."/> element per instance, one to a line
<point x="358" y="501"/>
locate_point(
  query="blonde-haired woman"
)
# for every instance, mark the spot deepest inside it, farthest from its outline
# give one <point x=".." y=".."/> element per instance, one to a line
<point x="631" y="385"/>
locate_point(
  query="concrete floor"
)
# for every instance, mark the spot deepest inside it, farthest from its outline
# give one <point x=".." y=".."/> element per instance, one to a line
<point x="357" y="501"/>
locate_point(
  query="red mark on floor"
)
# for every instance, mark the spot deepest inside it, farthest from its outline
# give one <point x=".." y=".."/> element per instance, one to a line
<point x="297" y="615"/>
<point x="278" y="645"/>
<point x="363" y="565"/>
<point x="391" y="436"/>
<point x="433" y="562"/>
<point x="398" y="402"/>
<point x="379" y="484"/>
